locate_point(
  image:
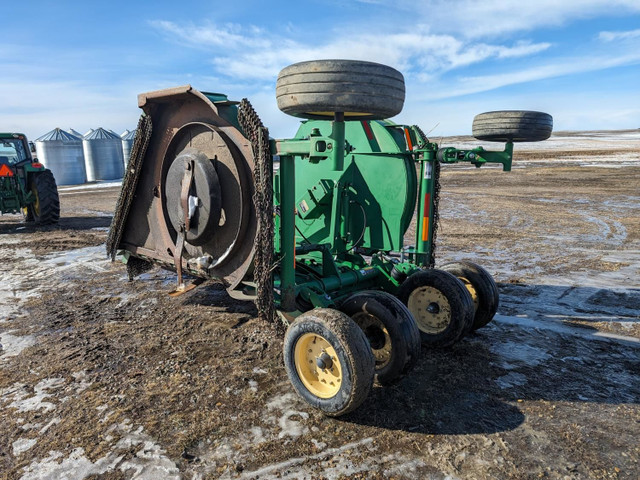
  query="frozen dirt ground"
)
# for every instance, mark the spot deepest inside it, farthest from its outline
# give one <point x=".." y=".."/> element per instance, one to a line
<point x="101" y="378"/>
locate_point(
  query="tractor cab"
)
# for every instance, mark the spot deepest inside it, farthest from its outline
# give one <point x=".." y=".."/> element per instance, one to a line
<point x="14" y="149"/>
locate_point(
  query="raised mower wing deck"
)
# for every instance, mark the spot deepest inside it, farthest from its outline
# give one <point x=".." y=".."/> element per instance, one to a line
<point x="192" y="181"/>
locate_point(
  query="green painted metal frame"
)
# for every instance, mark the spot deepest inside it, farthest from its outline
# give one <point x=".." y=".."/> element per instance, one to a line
<point x="319" y="274"/>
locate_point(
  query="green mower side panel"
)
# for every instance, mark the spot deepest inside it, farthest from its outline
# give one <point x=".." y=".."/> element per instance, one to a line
<point x="378" y="186"/>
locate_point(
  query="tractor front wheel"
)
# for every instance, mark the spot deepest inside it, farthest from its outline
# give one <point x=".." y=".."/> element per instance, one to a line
<point x="441" y="305"/>
<point x="45" y="209"/>
<point x="391" y="330"/>
<point x="329" y="361"/>
<point x="481" y="286"/>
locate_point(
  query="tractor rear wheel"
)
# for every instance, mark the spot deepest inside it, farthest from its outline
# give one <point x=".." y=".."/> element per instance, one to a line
<point x="512" y="126"/>
<point x="329" y="361"/>
<point x="45" y="210"/>
<point x="391" y="330"/>
<point x="441" y="305"/>
<point x="481" y="286"/>
<point x="360" y="90"/>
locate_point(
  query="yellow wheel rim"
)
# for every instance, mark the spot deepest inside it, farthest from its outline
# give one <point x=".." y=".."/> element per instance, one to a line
<point x="378" y="337"/>
<point x="472" y="291"/>
<point x="36" y="204"/>
<point x="430" y="308"/>
<point x="317" y="365"/>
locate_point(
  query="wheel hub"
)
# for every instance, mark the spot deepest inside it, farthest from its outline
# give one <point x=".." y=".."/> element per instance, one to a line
<point x="378" y="337"/>
<point x="430" y="308"/>
<point x="324" y="361"/>
<point x="317" y="365"/>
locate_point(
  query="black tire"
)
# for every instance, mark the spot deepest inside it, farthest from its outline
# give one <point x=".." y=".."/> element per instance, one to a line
<point x="440" y="304"/>
<point x="46" y="209"/>
<point x="361" y="90"/>
<point x="512" y="126"/>
<point x="391" y="330"/>
<point x="482" y="288"/>
<point x="350" y="363"/>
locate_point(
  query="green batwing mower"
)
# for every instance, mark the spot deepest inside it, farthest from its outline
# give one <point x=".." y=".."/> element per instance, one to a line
<point x="25" y="184"/>
<point x="320" y="243"/>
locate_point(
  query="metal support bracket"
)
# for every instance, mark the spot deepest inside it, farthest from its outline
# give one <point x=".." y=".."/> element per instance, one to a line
<point x="186" y="224"/>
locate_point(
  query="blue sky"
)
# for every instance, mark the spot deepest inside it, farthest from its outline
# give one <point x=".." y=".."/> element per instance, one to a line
<point x="82" y="64"/>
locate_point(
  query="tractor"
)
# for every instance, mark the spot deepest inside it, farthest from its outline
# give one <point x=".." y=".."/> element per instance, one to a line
<point x="320" y="243"/>
<point x="25" y="184"/>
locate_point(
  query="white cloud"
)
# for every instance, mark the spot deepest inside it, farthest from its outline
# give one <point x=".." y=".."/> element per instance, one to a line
<point x="490" y="18"/>
<point x="615" y="36"/>
<point x="470" y="85"/>
<point x="411" y="51"/>
<point x="229" y="35"/>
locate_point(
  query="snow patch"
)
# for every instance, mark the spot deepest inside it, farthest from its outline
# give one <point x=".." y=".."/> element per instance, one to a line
<point x="511" y="379"/>
<point x="25" y="403"/>
<point x="149" y="463"/>
<point x="291" y="427"/>
<point x="91" y="186"/>
<point x="22" y="445"/>
<point x="517" y="354"/>
<point x="12" y="345"/>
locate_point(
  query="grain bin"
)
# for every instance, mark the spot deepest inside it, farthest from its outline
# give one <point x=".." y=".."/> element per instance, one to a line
<point x="127" y="145"/>
<point x="75" y="133"/>
<point x="103" y="155"/>
<point x="61" y="152"/>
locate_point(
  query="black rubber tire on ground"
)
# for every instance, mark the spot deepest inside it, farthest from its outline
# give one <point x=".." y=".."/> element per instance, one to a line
<point x="481" y="286"/>
<point x="441" y="305"/>
<point x="391" y="330"/>
<point x="361" y="90"/>
<point x="512" y="126"/>
<point x="46" y="209"/>
<point x="351" y="351"/>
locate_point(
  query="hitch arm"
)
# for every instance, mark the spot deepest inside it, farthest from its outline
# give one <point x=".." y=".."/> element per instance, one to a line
<point x="478" y="156"/>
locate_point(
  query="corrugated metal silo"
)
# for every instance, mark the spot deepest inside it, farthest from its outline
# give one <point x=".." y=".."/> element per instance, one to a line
<point x="76" y="133"/>
<point x="127" y="145"/>
<point x="88" y="132"/>
<point x="103" y="155"/>
<point x="61" y="152"/>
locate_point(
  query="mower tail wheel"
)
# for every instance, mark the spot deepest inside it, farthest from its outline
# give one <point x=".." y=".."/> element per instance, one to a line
<point x="329" y="361"/>
<point x="360" y="90"/>
<point x="45" y="210"/>
<point x="481" y="286"/>
<point x="391" y="330"/>
<point x="512" y="126"/>
<point x="441" y="305"/>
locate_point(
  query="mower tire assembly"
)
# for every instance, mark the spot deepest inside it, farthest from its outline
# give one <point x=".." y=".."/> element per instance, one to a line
<point x="320" y="243"/>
